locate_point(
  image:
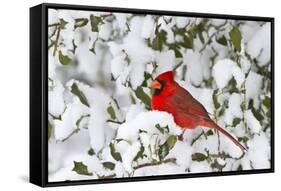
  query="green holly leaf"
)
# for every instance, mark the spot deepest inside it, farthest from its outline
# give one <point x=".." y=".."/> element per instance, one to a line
<point x="111" y="112"/>
<point x="64" y="59"/>
<point x="187" y="42"/>
<point x="235" y="37"/>
<point x="63" y="23"/>
<point x="80" y="22"/>
<point x="171" y="141"/>
<point x="108" y="165"/>
<point x="236" y="121"/>
<point x="75" y="90"/>
<point x="222" y="40"/>
<point x="199" y="157"/>
<point x="215" y="99"/>
<point x="114" y="154"/>
<point x="143" y="96"/>
<point x="162" y="129"/>
<point x="159" y="40"/>
<point x="81" y="169"/>
<point x="50" y="127"/>
<point x="95" y="23"/>
<point x="140" y="153"/>
<point x="165" y="148"/>
<point x="267" y="102"/>
<point x="91" y="152"/>
<point x="217" y="165"/>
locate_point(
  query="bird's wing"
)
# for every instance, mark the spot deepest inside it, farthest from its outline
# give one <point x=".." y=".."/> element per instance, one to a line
<point x="188" y="105"/>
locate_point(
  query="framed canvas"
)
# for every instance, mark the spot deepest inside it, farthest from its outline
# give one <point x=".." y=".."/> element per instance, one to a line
<point x="127" y="95"/>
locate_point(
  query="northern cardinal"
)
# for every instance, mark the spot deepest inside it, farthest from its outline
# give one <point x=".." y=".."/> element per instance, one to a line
<point x="188" y="113"/>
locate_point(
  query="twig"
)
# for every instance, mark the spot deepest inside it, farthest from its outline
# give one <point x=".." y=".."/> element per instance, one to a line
<point x="56" y="41"/>
<point x="194" y="140"/>
<point x="172" y="160"/>
<point x="117" y="122"/>
<point x="72" y="133"/>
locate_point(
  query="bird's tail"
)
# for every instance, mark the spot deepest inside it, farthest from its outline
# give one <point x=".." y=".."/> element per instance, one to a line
<point x="215" y="126"/>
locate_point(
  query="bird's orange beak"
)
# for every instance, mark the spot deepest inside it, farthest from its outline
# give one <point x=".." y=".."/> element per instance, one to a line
<point x="155" y="85"/>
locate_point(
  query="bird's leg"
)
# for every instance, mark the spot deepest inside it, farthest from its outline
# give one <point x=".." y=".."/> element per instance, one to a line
<point x="180" y="137"/>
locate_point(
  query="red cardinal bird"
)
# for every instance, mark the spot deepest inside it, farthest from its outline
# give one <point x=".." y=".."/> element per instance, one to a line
<point x="188" y="113"/>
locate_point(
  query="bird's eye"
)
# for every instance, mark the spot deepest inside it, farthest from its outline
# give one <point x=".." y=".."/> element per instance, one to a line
<point x="159" y="90"/>
<point x="163" y="82"/>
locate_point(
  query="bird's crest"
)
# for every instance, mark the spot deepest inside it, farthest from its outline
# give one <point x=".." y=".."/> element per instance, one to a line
<point x="169" y="75"/>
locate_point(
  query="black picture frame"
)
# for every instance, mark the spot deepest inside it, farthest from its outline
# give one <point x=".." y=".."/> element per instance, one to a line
<point x="39" y="94"/>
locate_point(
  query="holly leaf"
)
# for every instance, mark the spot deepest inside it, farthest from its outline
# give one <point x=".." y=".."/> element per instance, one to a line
<point x="143" y="96"/>
<point x="215" y="99"/>
<point x="108" y="165"/>
<point x="80" y="22"/>
<point x="111" y="112"/>
<point x="95" y="23"/>
<point x="235" y="37"/>
<point x="159" y="40"/>
<point x="236" y="121"/>
<point x="162" y="129"/>
<point x="217" y="165"/>
<point x="114" y="154"/>
<point x="171" y="141"/>
<point x="64" y="59"/>
<point x="75" y="90"/>
<point x="165" y="148"/>
<point x="50" y="127"/>
<point x="91" y="152"/>
<point x="267" y="102"/>
<point x="63" y="23"/>
<point x="222" y="40"/>
<point x="140" y="153"/>
<point x="199" y="157"/>
<point x="81" y="169"/>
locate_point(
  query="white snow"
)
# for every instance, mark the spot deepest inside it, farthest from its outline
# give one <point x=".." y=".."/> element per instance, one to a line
<point x="67" y="124"/>
<point x="224" y="70"/>
<point x="148" y="27"/>
<point x="55" y="98"/>
<point x="253" y="85"/>
<point x="165" y="61"/>
<point x="252" y="122"/>
<point x="146" y="121"/>
<point x="259" y="152"/>
<point x="194" y="67"/>
<point x="259" y="45"/>
<point x="234" y="109"/>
